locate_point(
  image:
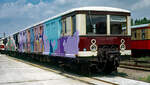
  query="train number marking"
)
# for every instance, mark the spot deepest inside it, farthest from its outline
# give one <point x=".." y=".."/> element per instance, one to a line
<point x="122" y="45"/>
<point x="93" y="46"/>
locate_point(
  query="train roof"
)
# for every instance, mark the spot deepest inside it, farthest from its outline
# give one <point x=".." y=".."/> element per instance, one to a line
<point x="139" y="26"/>
<point x="100" y="8"/>
<point x="90" y="8"/>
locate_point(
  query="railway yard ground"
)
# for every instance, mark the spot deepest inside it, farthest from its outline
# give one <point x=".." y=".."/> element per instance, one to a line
<point x="14" y="71"/>
<point x="136" y="68"/>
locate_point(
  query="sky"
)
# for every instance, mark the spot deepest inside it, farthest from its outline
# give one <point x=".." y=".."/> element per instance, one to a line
<point x="18" y="14"/>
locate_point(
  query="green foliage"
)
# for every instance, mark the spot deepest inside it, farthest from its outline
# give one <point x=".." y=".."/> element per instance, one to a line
<point x="140" y="21"/>
<point x="132" y="22"/>
<point x="146" y="79"/>
<point x="146" y="58"/>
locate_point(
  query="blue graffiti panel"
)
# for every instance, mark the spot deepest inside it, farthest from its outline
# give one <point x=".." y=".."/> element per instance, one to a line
<point x="32" y="39"/>
<point x="52" y="31"/>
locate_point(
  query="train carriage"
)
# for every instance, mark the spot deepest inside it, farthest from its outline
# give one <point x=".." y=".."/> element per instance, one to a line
<point x="1" y="45"/>
<point x="91" y="36"/>
<point x="140" y="40"/>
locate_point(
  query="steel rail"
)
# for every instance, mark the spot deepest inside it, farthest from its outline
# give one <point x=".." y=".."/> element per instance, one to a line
<point x="134" y="67"/>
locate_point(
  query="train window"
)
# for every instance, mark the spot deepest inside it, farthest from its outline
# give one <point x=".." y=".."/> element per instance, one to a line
<point x="64" y="26"/>
<point x="143" y="34"/>
<point x="69" y="25"/>
<point x="117" y="23"/>
<point x="74" y="23"/>
<point x="135" y="35"/>
<point x="95" y="24"/>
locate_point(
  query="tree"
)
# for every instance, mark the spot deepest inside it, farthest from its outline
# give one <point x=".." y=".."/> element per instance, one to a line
<point x="132" y="22"/>
<point x="140" y="21"/>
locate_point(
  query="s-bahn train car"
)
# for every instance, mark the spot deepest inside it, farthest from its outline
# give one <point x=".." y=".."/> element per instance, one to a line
<point x="88" y="38"/>
<point x="140" y="43"/>
<point x="1" y="45"/>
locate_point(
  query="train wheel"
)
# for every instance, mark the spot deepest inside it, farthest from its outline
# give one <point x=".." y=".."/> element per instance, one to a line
<point x="109" y="68"/>
<point x="85" y="69"/>
<point x="93" y="68"/>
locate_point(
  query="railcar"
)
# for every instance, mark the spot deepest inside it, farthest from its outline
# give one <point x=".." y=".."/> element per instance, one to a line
<point x="87" y="38"/>
<point x="140" y="44"/>
<point x="1" y="44"/>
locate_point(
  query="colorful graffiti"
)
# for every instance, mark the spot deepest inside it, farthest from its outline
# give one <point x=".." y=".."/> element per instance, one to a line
<point x="41" y="44"/>
<point x="46" y="39"/>
<point x="28" y="40"/>
<point x="53" y="33"/>
<point x="11" y="44"/>
<point x="31" y="40"/>
<point x="20" y="39"/>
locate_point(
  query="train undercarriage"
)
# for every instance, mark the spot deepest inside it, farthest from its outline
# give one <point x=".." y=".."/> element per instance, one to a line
<point x="107" y="61"/>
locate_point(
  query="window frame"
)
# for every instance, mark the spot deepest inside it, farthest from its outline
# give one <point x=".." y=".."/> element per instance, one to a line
<point x="68" y="30"/>
<point x="121" y="23"/>
<point x="88" y="16"/>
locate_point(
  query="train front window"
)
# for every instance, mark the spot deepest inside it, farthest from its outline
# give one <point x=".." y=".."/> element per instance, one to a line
<point x="96" y="24"/>
<point x="117" y="23"/>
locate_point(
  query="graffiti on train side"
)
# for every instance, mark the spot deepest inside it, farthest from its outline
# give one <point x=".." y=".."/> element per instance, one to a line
<point x="11" y="44"/>
<point x="46" y="39"/>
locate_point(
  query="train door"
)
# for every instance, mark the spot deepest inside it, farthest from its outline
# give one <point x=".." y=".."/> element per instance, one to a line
<point x="70" y="38"/>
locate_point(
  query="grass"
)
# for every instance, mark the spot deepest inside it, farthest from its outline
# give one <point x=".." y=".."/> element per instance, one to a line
<point x="147" y="58"/>
<point x="146" y="79"/>
<point x="142" y="58"/>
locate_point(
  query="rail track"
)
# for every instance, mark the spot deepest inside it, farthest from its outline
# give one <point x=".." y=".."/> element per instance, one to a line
<point x="135" y="67"/>
<point x="87" y="80"/>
